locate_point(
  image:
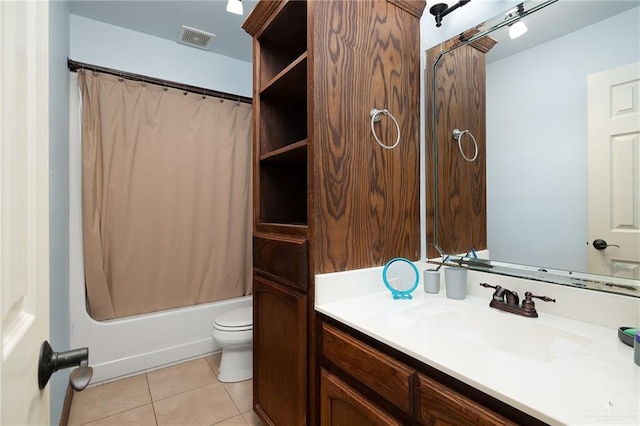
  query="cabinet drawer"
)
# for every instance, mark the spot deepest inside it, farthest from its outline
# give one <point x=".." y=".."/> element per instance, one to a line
<point x="440" y="404"/>
<point x="282" y="257"/>
<point x="342" y="405"/>
<point x="384" y="375"/>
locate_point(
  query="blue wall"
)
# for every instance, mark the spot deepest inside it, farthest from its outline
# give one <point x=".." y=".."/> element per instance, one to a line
<point x="537" y="145"/>
<point x="58" y="195"/>
<point x="119" y="48"/>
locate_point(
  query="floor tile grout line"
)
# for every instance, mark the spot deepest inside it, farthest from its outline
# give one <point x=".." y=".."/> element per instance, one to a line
<point x="114" y="414"/>
<point x="215" y="380"/>
<point x="119" y="412"/>
<point x="153" y="406"/>
<point x="183" y="392"/>
<point x="232" y="400"/>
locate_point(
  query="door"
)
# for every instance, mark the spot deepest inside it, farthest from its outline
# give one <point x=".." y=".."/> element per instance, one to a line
<point x="279" y="353"/>
<point x="614" y="171"/>
<point x="24" y="209"/>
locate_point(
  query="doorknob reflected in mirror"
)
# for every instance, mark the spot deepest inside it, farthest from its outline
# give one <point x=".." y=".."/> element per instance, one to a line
<point x="600" y="244"/>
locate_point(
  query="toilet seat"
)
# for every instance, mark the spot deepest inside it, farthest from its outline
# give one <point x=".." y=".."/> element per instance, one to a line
<point x="240" y="319"/>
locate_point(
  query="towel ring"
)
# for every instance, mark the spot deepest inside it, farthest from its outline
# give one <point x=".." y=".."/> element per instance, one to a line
<point x="375" y="117"/>
<point x="457" y="135"/>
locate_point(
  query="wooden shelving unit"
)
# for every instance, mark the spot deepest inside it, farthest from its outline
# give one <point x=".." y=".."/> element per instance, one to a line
<point x="327" y="197"/>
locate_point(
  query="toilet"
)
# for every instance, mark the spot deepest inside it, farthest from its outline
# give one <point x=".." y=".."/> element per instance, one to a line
<point x="233" y="331"/>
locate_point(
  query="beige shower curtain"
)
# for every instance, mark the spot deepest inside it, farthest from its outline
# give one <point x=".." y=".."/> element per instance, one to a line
<point x="166" y="203"/>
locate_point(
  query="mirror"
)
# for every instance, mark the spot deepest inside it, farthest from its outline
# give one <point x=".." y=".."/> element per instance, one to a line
<point x="525" y="200"/>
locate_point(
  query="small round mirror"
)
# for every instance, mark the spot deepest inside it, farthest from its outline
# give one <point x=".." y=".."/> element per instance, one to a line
<point x="401" y="277"/>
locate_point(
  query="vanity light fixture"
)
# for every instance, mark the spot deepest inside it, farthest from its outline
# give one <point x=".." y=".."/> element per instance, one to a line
<point x="440" y="10"/>
<point x="235" y="6"/>
<point x="518" y="28"/>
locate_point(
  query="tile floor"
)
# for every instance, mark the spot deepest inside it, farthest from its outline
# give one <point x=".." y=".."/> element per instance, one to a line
<point x="187" y="394"/>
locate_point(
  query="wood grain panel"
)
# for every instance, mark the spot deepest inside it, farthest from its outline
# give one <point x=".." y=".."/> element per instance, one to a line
<point x="381" y="373"/>
<point x="283" y="257"/>
<point x="366" y="197"/>
<point x="459" y="185"/>
<point x="342" y="406"/>
<point x="279" y="353"/>
<point x="440" y="405"/>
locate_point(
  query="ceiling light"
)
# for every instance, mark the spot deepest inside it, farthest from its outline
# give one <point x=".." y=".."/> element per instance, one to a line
<point x="234" y="6"/>
<point x="517" y="29"/>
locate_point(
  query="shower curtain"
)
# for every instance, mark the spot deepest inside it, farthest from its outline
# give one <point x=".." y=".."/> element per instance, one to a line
<point x="166" y="197"/>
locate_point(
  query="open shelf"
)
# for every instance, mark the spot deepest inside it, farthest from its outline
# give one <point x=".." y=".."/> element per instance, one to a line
<point x="283" y="192"/>
<point x="296" y="152"/>
<point x="290" y="83"/>
<point x="284" y="40"/>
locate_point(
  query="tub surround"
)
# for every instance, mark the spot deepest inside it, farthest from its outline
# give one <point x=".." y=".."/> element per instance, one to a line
<point x="587" y="376"/>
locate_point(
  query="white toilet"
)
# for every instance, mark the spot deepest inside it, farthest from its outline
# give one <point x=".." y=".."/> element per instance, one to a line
<point x="233" y="331"/>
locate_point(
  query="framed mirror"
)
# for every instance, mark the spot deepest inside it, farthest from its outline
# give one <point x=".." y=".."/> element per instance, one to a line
<point x="554" y="191"/>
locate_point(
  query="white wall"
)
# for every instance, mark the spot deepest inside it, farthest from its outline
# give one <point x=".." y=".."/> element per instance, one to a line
<point x="537" y="173"/>
<point x="114" y="47"/>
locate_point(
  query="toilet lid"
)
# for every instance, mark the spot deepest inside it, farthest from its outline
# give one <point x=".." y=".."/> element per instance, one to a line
<point x="236" y="318"/>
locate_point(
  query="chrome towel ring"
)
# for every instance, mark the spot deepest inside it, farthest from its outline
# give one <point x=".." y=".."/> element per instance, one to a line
<point x="375" y="117"/>
<point x="457" y="135"/>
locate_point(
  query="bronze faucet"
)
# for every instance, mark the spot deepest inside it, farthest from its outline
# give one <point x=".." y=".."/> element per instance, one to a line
<point x="507" y="300"/>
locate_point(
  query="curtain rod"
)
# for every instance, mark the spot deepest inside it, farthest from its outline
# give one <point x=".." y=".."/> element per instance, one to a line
<point x="75" y="66"/>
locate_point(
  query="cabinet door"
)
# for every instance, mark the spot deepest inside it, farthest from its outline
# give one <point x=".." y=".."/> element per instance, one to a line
<point x="440" y="405"/>
<point x="342" y="405"/>
<point x="280" y="353"/>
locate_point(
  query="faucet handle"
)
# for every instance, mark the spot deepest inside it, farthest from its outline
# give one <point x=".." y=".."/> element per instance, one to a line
<point x="490" y="286"/>
<point x="528" y="296"/>
<point x="499" y="294"/>
<point x="529" y="305"/>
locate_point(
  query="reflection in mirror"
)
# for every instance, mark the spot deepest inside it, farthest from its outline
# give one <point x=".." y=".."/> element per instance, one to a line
<point x="556" y="167"/>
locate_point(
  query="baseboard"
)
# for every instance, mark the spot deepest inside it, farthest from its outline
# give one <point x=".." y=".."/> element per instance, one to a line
<point x="66" y="407"/>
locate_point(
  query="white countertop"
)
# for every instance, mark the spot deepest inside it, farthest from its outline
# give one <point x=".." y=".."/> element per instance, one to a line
<point x="582" y="374"/>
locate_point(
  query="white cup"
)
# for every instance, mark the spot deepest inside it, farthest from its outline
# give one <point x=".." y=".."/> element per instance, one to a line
<point x="455" y="281"/>
<point x="431" y="281"/>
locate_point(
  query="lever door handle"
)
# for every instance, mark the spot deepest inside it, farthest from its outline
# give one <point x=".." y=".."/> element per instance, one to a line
<point x="601" y="244"/>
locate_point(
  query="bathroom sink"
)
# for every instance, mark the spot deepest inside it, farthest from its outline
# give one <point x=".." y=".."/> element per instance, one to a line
<point x="504" y="333"/>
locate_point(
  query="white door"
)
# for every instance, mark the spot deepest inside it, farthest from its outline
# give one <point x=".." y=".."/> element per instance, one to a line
<point x="24" y="209"/>
<point x="614" y="171"/>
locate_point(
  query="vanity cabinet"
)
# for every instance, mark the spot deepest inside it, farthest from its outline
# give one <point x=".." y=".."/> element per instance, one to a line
<point x="320" y="180"/>
<point x="341" y="405"/>
<point x="443" y="406"/>
<point x="366" y="380"/>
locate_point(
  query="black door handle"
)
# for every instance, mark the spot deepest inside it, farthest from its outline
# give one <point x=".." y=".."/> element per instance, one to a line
<point x="600" y="244"/>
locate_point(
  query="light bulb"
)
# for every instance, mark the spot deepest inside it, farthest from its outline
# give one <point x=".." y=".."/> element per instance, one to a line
<point x="234" y="6"/>
<point x="517" y="29"/>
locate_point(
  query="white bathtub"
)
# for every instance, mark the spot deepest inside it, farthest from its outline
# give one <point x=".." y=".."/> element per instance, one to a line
<point x="130" y="345"/>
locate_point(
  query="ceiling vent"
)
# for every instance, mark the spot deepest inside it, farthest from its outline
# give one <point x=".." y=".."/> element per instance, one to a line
<point x="195" y="38"/>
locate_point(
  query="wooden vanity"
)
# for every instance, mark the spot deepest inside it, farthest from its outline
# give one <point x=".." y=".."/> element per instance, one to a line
<point x="366" y="382"/>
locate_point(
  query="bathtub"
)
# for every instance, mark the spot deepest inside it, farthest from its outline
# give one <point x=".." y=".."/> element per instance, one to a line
<point x="131" y="345"/>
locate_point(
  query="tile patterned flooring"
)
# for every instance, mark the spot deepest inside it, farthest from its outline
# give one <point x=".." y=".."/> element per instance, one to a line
<point x="187" y="394"/>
